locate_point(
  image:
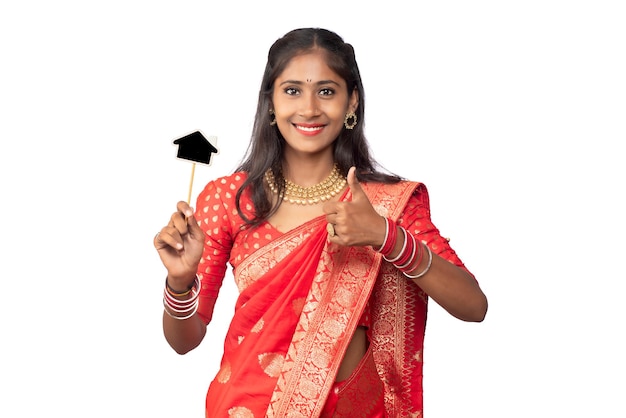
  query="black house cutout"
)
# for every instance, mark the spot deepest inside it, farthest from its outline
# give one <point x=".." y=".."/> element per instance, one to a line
<point x="195" y="147"/>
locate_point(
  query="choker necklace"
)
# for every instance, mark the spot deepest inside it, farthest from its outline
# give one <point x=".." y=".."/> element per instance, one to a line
<point x="320" y="192"/>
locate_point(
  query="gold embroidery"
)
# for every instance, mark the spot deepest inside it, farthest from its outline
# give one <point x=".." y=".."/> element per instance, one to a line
<point x="390" y="297"/>
<point x="344" y="297"/>
<point x="333" y="328"/>
<point x="264" y="259"/>
<point x="258" y="326"/>
<point x="240" y="412"/>
<point x="320" y="358"/>
<point x="271" y="363"/>
<point x="307" y="388"/>
<point x="223" y="376"/>
<point x="298" y="305"/>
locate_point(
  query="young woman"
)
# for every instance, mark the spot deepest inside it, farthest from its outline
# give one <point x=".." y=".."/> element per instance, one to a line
<point x="335" y="259"/>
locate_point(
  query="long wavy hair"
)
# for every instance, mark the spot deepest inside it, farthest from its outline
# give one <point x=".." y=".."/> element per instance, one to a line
<point x="265" y="149"/>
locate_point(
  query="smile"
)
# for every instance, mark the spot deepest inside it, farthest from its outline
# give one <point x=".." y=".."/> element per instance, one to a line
<point x="309" y="129"/>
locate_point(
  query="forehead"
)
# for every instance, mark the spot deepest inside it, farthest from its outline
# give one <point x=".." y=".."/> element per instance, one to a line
<point x="309" y="66"/>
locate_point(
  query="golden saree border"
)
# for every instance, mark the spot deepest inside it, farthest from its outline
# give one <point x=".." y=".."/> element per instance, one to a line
<point x="398" y="310"/>
<point x="265" y="258"/>
<point x="345" y="279"/>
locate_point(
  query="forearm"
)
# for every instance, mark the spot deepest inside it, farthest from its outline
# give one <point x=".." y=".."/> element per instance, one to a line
<point x="449" y="285"/>
<point x="183" y="335"/>
<point x="454" y="289"/>
<point x="182" y="326"/>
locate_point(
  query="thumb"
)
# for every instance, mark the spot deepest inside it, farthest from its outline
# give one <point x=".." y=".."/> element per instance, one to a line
<point x="192" y="225"/>
<point x="355" y="186"/>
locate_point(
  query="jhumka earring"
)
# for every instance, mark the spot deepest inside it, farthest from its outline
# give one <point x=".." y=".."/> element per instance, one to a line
<point x="272" y="117"/>
<point x="346" y="121"/>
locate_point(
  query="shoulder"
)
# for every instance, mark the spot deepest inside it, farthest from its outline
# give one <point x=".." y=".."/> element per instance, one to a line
<point x="222" y="189"/>
<point x="390" y="199"/>
<point x="234" y="180"/>
<point x="403" y="187"/>
<point x="225" y="184"/>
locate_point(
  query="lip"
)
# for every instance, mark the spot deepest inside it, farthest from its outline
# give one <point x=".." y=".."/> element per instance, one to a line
<point x="309" y="129"/>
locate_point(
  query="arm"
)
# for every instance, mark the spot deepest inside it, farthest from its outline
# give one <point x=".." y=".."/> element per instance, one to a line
<point x="446" y="280"/>
<point x="454" y="288"/>
<point x="179" y="245"/>
<point x="183" y="335"/>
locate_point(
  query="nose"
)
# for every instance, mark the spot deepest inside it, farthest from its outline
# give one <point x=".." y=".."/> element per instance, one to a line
<point x="309" y="106"/>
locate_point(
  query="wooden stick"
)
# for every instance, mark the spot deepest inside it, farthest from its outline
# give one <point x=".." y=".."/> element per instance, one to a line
<point x="193" y="170"/>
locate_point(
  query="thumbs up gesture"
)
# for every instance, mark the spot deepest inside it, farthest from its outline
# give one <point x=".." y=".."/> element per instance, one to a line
<point x="355" y="222"/>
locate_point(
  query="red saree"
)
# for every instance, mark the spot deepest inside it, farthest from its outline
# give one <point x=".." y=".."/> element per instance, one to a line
<point x="300" y="301"/>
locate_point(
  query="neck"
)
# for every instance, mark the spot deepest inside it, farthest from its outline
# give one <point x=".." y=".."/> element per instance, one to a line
<point x="307" y="169"/>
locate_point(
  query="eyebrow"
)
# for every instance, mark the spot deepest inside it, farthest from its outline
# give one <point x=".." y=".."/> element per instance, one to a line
<point x="319" y="83"/>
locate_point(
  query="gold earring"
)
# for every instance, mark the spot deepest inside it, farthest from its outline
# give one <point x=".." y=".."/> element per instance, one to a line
<point x="272" y="118"/>
<point x="350" y="115"/>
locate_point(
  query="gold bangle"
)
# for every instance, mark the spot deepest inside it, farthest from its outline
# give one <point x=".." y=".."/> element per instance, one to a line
<point x="176" y="294"/>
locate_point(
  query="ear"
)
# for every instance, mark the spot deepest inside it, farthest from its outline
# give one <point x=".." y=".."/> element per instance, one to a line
<point x="353" y="102"/>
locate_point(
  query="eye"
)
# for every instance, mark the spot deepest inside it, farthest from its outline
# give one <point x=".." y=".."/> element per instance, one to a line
<point x="327" y="92"/>
<point x="291" y="91"/>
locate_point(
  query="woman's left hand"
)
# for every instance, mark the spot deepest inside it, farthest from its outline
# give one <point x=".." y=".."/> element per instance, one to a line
<point x="355" y="222"/>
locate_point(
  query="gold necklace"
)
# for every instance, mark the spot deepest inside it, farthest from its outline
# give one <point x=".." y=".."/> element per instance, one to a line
<point x="320" y="192"/>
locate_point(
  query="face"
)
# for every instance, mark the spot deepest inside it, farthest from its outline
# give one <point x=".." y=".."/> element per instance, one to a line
<point x="310" y="102"/>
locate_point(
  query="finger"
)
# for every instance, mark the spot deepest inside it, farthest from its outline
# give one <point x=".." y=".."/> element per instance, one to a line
<point x="191" y="223"/>
<point x="184" y="209"/>
<point x="355" y="186"/>
<point x="330" y="208"/>
<point x="177" y="228"/>
<point x="168" y="237"/>
<point x="194" y="228"/>
<point x="331" y="218"/>
<point x="179" y="222"/>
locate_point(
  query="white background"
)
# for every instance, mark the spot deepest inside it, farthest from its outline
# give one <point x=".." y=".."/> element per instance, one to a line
<point x="514" y="115"/>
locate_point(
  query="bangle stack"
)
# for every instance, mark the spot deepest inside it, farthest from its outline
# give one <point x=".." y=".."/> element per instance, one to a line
<point x="391" y="233"/>
<point x="411" y="254"/>
<point x="181" y="309"/>
<point x="421" y="273"/>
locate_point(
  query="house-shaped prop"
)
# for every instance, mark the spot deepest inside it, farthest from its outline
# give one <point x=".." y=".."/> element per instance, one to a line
<point x="195" y="147"/>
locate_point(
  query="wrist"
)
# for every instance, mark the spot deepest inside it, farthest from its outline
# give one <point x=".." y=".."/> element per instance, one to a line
<point x="179" y="306"/>
<point x="389" y="240"/>
<point x="179" y="286"/>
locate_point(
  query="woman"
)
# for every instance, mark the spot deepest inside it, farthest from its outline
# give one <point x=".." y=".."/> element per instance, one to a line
<point x="334" y="259"/>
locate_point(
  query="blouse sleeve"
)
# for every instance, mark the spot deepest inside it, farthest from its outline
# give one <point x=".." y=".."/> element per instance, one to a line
<point x="416" y="220"/>
<point x="212" y="216"/>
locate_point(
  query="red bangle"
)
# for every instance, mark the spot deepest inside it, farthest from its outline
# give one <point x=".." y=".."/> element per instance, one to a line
<point x="408" y="251"/>
<point x="402" y="250"/>
<point x="426" y="269"/>
<point x="421" y="255"/>
<point x="391" y="234"/>
<point x="409" y="256"/>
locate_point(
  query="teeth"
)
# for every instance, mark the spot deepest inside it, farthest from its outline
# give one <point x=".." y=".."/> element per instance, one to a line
<point x="311" y="129"/>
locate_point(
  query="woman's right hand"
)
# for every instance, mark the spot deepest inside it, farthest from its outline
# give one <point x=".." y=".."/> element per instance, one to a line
<point x="180" y="246"/>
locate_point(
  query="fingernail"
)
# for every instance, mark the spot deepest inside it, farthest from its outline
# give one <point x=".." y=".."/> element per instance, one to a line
<point x="188" y="212"/>
<point x="179" y="246"/>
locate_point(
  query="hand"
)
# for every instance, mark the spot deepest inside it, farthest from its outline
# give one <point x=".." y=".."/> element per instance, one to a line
<point x="356" y="223"/>
<point x="180" y="246"/>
